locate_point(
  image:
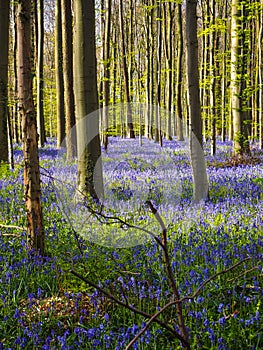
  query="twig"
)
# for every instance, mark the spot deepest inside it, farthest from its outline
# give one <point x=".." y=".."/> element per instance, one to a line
<point x="13" y="227"/>
<point x="169" y="271"/>
<point x="133" y="309"/>
<point x="110" y="219"/>
<point x="130" y="272"/>
<point x="243" y="273"/>
<point x="190" y="297"/>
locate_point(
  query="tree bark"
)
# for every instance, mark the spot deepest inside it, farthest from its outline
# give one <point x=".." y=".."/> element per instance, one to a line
<point x="240" y="142"/>
<point x="196" y="147"/>
<point x="67" y="36"/>
<point x="86" y="100"/>
<point x="131" y="133"/>
<point x="40" y="75"/>
<point x="158" y="127"/>
<point x="260" y="76"/>
<point x="61" y="132"/>
<point x="29" y="128"/>
<point x="106" y="80"/>
<point x="212" y="78"/>
<point x="169" y="20"/>
<point x="179" y="75"/>
<point x="4" y="40"/>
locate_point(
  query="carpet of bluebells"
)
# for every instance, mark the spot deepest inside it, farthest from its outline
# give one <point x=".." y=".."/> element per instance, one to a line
<point x="44" y="306"/>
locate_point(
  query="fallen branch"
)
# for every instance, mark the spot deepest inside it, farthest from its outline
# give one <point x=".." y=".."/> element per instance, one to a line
<point x="127" y="306"/>
<point x="190" y="297"/>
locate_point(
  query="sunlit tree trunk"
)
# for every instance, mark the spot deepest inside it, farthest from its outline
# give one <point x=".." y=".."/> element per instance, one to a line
<point x="168" y="20"/>
<point x="131" y="133"/>
<point x="196" y="148"/>
<point x="260" y="76"/>
<point x="179" y="75"/>
<point x="106" y="79"/>
<point x="86" y="99"/>
<point x="114" y="83"/>
<point x="16" y="119"/>
<point x="240" y="142"/>
<point x="29" y="128"/>
<point x="67" y="36"/>
<point x="212" y="78"/>
<point x="4" y="40"/>
<point x="148" y="70"/>
<point x="158" y="127"/>
<point x="223" y="85"/>
<point x="61" y="128"/>
<point x="40" y="75"/>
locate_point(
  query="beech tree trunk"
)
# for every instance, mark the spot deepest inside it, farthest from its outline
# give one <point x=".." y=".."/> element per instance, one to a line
<point x="86" y="98"/>
<point x="260" y="76"/>
<point x="196" y="146"/>
<point x="61" y="129"/>
<point x="106" y="66"/>
<point x="179" y="75"/>
<point x="240" y="141"/>
<point x="40" y="76"/>
<point x="29" y="128"/>
<point x="4" y="35"/>
<point x="131" y="133"/>
<point x="67" y="36"/>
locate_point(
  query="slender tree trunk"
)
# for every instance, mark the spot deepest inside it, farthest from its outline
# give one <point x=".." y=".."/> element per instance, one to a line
<point x="115" y="46"/>
<point x="179" y="75"/>
<point x="16" y="119"/>
<point x="67" y="36"/>
<point x="61" y="129"/>
<point x="212" y="79"/>
<point x="106" y="80"/>
<point x="40" y="75"/>
<point x="158" y="127"/>
<point x="126" y="74"/>
<point x="223" y="92"/>
<point x="29" y="128"/>
<point x="148" y="70"/>
<point x="4" y="41"/>
<point x="196" y="148"/>
<point x="86" y="99"/>
<point x="240" y="142"/>
<point x="260" y="75"/>
<point x="168" y="20"/>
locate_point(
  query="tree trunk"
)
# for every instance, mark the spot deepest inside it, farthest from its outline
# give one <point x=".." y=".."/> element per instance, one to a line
<point x="260" y="76"/>
<point x="240" y="142"/>
<point x="196" y="147"/>
<point x="106" y="80"/>
<point x="86" y="99"/>
<point x="16" y="119"/>
<point x="59" y="76"/>
<point x="4" y="40"/>
<point x="179" y="75"/>
<point x="67" y="36"/>
<point x="168" y="18"/>
<point x="212" y="79"/>
<point x="40" y="76"/>
<point x="131" y="133"/>
<point x="29" y="128"/>
<point x="158" y="127"/>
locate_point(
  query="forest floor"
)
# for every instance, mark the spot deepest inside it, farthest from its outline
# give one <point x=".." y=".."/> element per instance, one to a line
<point x="44" y="306"/>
